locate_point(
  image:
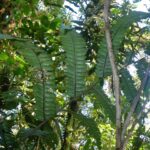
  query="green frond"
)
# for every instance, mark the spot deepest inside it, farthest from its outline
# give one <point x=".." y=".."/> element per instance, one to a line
<point x="44" y="86"/>
<point x="122" y="25"/>
<point x="104" y="103"/>
<point x="91" y="127"/>
<point x="128" y="86"/>
<point x="75" y="49"/>
<point x="47" y="134"/>
<point x="103" y="67"/>
<point x="119" y="30"/>
<point x="29" y="132"/>
<point x="7" y="138"/>
<point x="141" y="67"/>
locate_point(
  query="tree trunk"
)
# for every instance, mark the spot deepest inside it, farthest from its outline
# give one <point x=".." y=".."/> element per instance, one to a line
<point x="116" y="83"/>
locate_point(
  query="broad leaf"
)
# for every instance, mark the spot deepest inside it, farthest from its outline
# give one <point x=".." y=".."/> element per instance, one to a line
<point x="75" y="48"/>
<point x="128" y="86"/>
<point x="44" y="86"/>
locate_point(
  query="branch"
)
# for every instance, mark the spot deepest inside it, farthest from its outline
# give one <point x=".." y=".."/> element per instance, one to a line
<point x="116" y="83"/>
<point x="140" y="115"/>
<point x="134" y="104"/>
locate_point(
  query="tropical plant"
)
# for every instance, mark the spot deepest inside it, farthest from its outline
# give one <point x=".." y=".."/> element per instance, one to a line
<point x="54" y="73"/>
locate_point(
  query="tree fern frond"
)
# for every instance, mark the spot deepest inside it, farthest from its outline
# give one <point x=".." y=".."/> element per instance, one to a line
<point x="141" y="66"/>
<point x="91" y="127"/>
<point x="127" y="85"/>
<point x="45" y="106"/>
<point x="104" y="103"/>
<point x="75" y="48"/>
<point x="122" y="25"/>
<point x="119" y="31"/>
<point x="29" y="132"/>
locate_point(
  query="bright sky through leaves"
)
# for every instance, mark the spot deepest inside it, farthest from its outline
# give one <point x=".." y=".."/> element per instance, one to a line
<point x="143" y="5"/>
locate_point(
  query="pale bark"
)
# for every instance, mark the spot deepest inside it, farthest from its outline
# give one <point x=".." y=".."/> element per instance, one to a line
<point x="116" y="83"/>
<point x="134" y="123"/>
<point x="121" y="141"/>
<point x="134" y="104"/>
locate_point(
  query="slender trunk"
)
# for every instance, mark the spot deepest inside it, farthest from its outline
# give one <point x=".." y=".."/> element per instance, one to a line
<point x="116" y="83"/>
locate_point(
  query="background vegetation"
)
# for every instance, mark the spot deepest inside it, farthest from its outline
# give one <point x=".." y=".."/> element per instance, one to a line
<point x="56" y="81"/>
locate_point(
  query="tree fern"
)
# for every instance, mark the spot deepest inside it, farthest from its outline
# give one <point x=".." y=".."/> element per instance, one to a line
<point x="119" y="31"/>
<point x="75" y="48"/>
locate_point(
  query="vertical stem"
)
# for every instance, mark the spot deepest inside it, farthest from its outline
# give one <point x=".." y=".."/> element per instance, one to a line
<point x="135" y="102"/>
<point x="116" y="83"/>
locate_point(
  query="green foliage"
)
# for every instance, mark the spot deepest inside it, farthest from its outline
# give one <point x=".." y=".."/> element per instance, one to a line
<point x="103" y="102"/>
<point x="7" y="138"/>
<point x="45" y="106"/>
<point x="141" y="66"/>
<point x="137" y="140"/>
<point x="29" y="132"/>
<point x="75" y="49"/>
<point x="44" y="85"/>
<point x="10" y="98"/>
<point x="91" y="128"/>
<point x="3" y="56"/>
<point x="46" y="68"/>
<point x="119" y="31"/>
<point x="127" y="85"/>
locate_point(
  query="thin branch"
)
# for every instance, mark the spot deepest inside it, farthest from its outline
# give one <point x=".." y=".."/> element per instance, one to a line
<point x="140" y="115"/>
<point x="134" y="104"/>
<point x="129" y="134"/>
<point x="116" y="83"/>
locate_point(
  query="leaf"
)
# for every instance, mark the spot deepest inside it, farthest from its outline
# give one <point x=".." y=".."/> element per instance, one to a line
<point x="30" y="132"/>
<point x="91" y="128"/>
<point x="3" y="57"/>
<point x="75" y="48"/>
<point x="68" y="7"/>
<point x="127" y="85"/>
<point x="103" y="102"/>
<point x="52" y="138"/>
<point x="7" y="139"/>
<point x="44" y="86"/>
<point x="44" y="20"/>
<point x="119" y="31"/>
<point x="45" y="106"/>
<point x="122" y="25"/>
<point x="141" y="66"/>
